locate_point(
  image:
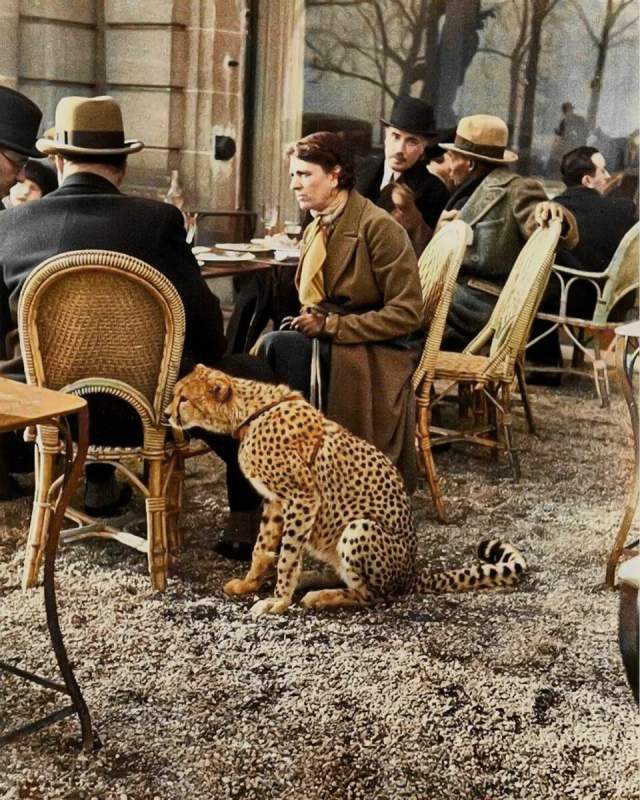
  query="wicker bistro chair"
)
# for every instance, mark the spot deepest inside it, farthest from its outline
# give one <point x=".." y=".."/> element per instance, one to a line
<point x="438" y="267"/>
<point x="620" y="280"/>
<point x="94" y="321"/>
<point x="487" y="366"/>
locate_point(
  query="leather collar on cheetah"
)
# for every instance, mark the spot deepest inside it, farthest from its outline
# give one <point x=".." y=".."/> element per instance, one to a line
<point x="241" y="431"/>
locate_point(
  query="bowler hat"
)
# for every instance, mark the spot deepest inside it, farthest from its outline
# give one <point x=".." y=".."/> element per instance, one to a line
<point x="483" y="137"/>
<point x="89" y="126"/>
<point x="412" y="115"/>
<point x="19" y="122"/>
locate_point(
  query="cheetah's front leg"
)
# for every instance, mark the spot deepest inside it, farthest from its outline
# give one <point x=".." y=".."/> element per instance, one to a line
<point x="264" y="552"/>
<point x="299" y="518"/>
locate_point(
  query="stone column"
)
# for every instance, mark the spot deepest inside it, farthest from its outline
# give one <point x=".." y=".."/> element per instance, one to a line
<point x="278" y="101"/>
<point x="214" y="107"/>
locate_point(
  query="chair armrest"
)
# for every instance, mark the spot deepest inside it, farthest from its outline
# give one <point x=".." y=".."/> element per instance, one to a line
<point x="580" y="273"/>
<point x="484" y="286"/>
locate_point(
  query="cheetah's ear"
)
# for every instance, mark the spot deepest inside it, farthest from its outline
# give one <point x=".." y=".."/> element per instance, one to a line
<point x="221" y="388"/>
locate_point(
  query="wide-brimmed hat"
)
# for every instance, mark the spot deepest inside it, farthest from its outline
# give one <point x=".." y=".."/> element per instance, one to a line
<point x="484" y="137"/>
<point x="19" y="122"/>
<point x="89" y="126"/>
<point x="412" y="115"/>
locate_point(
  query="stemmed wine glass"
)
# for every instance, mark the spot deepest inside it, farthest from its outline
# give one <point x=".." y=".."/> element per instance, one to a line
<point x="269" y="218"/>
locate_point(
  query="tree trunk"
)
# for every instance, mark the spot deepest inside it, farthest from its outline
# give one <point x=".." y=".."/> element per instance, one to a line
<point x="596" y="81"/>
<point x="458" y="45"/>
<point x="525" y="135"/>
<point x="429" y="91"/>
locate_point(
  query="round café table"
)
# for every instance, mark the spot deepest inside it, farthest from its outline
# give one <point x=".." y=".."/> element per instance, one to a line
<point x="22" y="406"/>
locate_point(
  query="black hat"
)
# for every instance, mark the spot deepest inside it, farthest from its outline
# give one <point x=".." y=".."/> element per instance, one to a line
<point x="412" y="115"/>
<point x="19" y="122"/>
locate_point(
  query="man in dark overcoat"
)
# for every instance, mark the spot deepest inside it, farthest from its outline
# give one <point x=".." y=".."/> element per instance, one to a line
<point x="400" y="182"/>
<point x="88" y="210"/>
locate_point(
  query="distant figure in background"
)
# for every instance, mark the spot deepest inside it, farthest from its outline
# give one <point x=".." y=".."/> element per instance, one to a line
<point x="572" y="128"/>
<point x="400" y="182"/>
<point x="437" y="162"/>
<point x="572" y="131"/>
<point x="39" y="179"/>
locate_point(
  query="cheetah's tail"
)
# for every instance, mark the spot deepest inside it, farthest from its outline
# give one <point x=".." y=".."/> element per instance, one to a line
<point x="500" y="564"/>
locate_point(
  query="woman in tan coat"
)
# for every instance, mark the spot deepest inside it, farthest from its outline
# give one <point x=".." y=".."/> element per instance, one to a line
<point x="360" y="296"/>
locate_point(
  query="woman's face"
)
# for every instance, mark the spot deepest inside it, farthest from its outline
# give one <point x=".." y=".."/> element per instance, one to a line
<point x="24" y="192"/>
<point x="314" y="188"/>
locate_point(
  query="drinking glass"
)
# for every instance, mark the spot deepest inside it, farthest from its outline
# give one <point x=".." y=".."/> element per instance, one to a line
<point x="269" y="218"/>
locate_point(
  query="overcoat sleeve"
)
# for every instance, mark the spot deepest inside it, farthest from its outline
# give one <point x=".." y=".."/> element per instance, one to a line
<point x="395" y="271"/>
<point x="526" y="193"/>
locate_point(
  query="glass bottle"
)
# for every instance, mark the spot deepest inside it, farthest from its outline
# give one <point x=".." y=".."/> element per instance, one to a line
<point x="175" y="195"/>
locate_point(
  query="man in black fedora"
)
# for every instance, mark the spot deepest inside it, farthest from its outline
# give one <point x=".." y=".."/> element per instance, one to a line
<point x="19" y="122"/>
<point x="400" y="182"/>
<point x="88" y="210"/>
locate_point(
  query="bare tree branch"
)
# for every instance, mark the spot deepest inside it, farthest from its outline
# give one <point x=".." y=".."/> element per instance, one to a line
<point x="585" y="20"/>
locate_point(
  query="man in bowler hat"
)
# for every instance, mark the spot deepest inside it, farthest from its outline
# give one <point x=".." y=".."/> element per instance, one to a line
<point x="400" y="182"/>
<point x="19" y="122"/>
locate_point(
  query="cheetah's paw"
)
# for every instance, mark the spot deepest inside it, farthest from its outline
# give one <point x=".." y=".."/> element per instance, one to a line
<point x="239" y="586"/>
<point x="270" y="605"/>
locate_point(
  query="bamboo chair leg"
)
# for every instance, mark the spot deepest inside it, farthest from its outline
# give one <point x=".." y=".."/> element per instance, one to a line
<point x="600" y="374"/>
<point x="40" y="516"/>
<point x="524" y="396"/>
<point x="424" y="440"/>
<point x="174" y="497"/>
<point x="507" y="427"/>
<point x="156" y="506"/>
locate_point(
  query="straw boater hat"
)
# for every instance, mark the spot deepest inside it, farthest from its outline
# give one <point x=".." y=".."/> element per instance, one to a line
<point x="483" y="137"/>
<point x="89" y="126"/>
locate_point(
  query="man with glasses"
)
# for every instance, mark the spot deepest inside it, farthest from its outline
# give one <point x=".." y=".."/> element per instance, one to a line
<point x="19" y="123"/>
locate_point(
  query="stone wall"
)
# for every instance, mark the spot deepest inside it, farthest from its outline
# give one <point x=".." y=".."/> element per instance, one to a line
<point x="178" y="69"/>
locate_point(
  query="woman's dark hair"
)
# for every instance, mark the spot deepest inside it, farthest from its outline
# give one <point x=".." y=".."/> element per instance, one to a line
<point x="329" y="150"/>
<point x="41" y="174"/>
<point x="576" y="164"/>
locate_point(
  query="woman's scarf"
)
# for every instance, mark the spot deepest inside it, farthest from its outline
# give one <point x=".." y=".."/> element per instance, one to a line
<point x="311" y="289"/>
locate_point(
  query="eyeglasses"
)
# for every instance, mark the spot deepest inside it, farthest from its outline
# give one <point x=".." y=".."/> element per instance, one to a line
<point x="17" y="159"/>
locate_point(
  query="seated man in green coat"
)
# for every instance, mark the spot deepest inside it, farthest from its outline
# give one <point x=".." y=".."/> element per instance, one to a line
<point x="502" y="208"/>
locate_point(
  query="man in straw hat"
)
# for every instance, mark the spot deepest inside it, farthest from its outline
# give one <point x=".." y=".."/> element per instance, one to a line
<point x="502" y="208"/>
<point x="89" y="211"/>
<point x="400" y="182"/>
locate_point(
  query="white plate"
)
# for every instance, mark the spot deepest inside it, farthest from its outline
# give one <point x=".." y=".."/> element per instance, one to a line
<point x="231" y="256"/>
<point x="241" y="247"/>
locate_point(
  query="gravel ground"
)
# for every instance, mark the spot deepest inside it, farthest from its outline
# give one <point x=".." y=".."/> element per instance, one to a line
<point x="481" y="696"/>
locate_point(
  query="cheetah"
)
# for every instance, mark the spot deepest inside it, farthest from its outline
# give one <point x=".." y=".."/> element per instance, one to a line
<point x="329" y="494"/>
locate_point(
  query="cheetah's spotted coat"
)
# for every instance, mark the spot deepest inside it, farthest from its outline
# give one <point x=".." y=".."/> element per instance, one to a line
<point x="329" y="493"/>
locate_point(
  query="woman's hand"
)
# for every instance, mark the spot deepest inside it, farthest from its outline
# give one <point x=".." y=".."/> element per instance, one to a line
<point x="311" y="323"/>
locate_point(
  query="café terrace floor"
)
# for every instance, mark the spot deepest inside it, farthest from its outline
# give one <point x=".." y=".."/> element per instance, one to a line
<point x="493" y="696"/>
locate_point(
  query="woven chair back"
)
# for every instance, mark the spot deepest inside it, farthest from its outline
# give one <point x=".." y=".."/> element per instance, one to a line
<point x="438" y="268"/>
<point x="519" y="299"/>
<point x="623" y="274"/>
<point x="96" y="314"/>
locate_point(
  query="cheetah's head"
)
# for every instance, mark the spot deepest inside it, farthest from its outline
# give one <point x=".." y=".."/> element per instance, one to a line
<point x="204" y="399"/>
